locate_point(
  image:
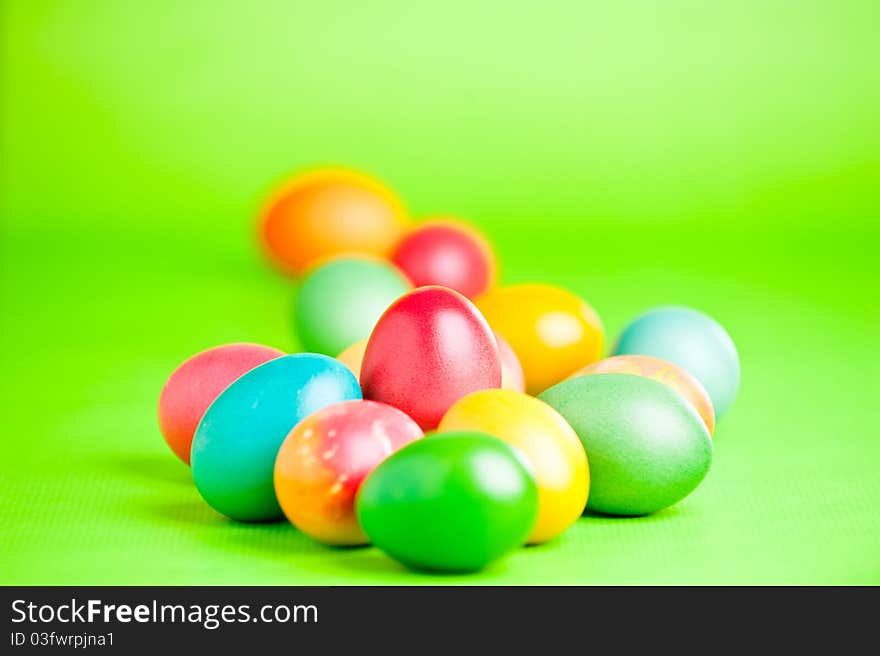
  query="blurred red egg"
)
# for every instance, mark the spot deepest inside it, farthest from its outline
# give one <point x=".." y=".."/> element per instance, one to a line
<point x="430" y="348"/>
<point x="194" y="385"/>
<point x="447" y="253"/>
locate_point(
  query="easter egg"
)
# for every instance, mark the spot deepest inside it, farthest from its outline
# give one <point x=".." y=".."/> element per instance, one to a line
<point x="194" y="385"/>
<point x="353" y="357"/>
<point x="692" y="340"/>
<point x="666" y="372"/>
<point x="326" y="213"/>
<point x="234" y="449"/>
<point x="449" y="254"/>
<point x="326" y="457"/>
<point x="339" y="302"/>
<point x="648" y="447"/>
<point x="450" y="502"/>
<point x="429" y="349"/>
<point x="549" y="444"/>
<point x="552" y="331"/>
<point x="511" y="370"/>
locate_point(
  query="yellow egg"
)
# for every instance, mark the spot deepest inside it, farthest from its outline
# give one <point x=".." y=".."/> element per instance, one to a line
<point x="549" y="444"/>
<point x="552" y="331"/>
<point x="353" y="356"/>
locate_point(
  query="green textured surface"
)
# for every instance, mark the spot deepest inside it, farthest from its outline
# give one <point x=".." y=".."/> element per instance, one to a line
<point x="721" y="155"/>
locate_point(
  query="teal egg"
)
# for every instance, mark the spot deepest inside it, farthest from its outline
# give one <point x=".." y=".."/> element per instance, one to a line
<point x="693" y="341"/>
<point x="647" y="447"/>
<point x="339" y="302"/>
<point x="235" y="444"/>
<point x="452" y="501"/>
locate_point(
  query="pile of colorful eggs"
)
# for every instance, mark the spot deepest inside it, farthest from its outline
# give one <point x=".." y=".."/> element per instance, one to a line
<point x="443" y="419"/>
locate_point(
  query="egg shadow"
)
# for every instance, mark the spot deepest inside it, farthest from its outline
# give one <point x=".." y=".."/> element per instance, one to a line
<point x="664" y="515"/>
<point x="275" y="537"/>
<point x="152" y="466"/>
<point x="191" y="512"/>
<point x="369" y="560"/>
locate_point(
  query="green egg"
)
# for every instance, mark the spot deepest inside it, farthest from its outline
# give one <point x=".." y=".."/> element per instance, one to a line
<point x="452" y="501"/>
<point x="647" y="447"/>
<point x="339" y="302"/>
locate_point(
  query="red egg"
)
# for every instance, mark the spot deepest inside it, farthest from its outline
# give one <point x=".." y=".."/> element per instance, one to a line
<point x="512" y="376"/>
<point x="324" y="459"/>
<point x="430" y="348"/>
<point x="194" y="385"/>
<point x="447" y="253"/>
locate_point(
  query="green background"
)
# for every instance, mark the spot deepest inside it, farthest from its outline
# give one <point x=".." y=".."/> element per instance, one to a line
<point x="724" y="155"/>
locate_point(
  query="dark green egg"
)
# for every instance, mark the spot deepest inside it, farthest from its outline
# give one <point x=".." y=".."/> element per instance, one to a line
<point x="646" y="445"/>
<point x="451" y="501"/>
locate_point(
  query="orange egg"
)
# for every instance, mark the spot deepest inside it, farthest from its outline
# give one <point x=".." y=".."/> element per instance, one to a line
<point x="663" y="371"/>
<point x="330" y="212"/>
<point x="551" y="330"/>
<point x="353" y="357"/>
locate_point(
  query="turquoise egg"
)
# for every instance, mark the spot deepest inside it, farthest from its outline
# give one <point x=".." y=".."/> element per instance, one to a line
<point x="693" y="341"/>
<point x="235" y="444"/>
<point x="646" y="445"/>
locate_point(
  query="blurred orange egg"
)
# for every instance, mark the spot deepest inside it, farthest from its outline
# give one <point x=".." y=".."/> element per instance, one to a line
<point x="327" y="213"/>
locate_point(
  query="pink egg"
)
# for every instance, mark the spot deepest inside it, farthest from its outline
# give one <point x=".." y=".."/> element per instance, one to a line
<point x="430" y="348"/>
<point x="194" y="385"/>
<point x="512" y="376"/>
<point x="326" y="457"/>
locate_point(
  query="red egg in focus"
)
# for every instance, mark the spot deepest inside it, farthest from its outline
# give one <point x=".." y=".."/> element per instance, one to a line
<point x="194" y="385"/>
<point x="324" y="459"/>
<point x="447" y="253"/>
<point x="430" y="348"/>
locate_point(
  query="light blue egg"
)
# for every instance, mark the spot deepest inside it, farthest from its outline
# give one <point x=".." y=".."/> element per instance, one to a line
<point x="693" y="341"/>
<point x="235" y="444"/>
